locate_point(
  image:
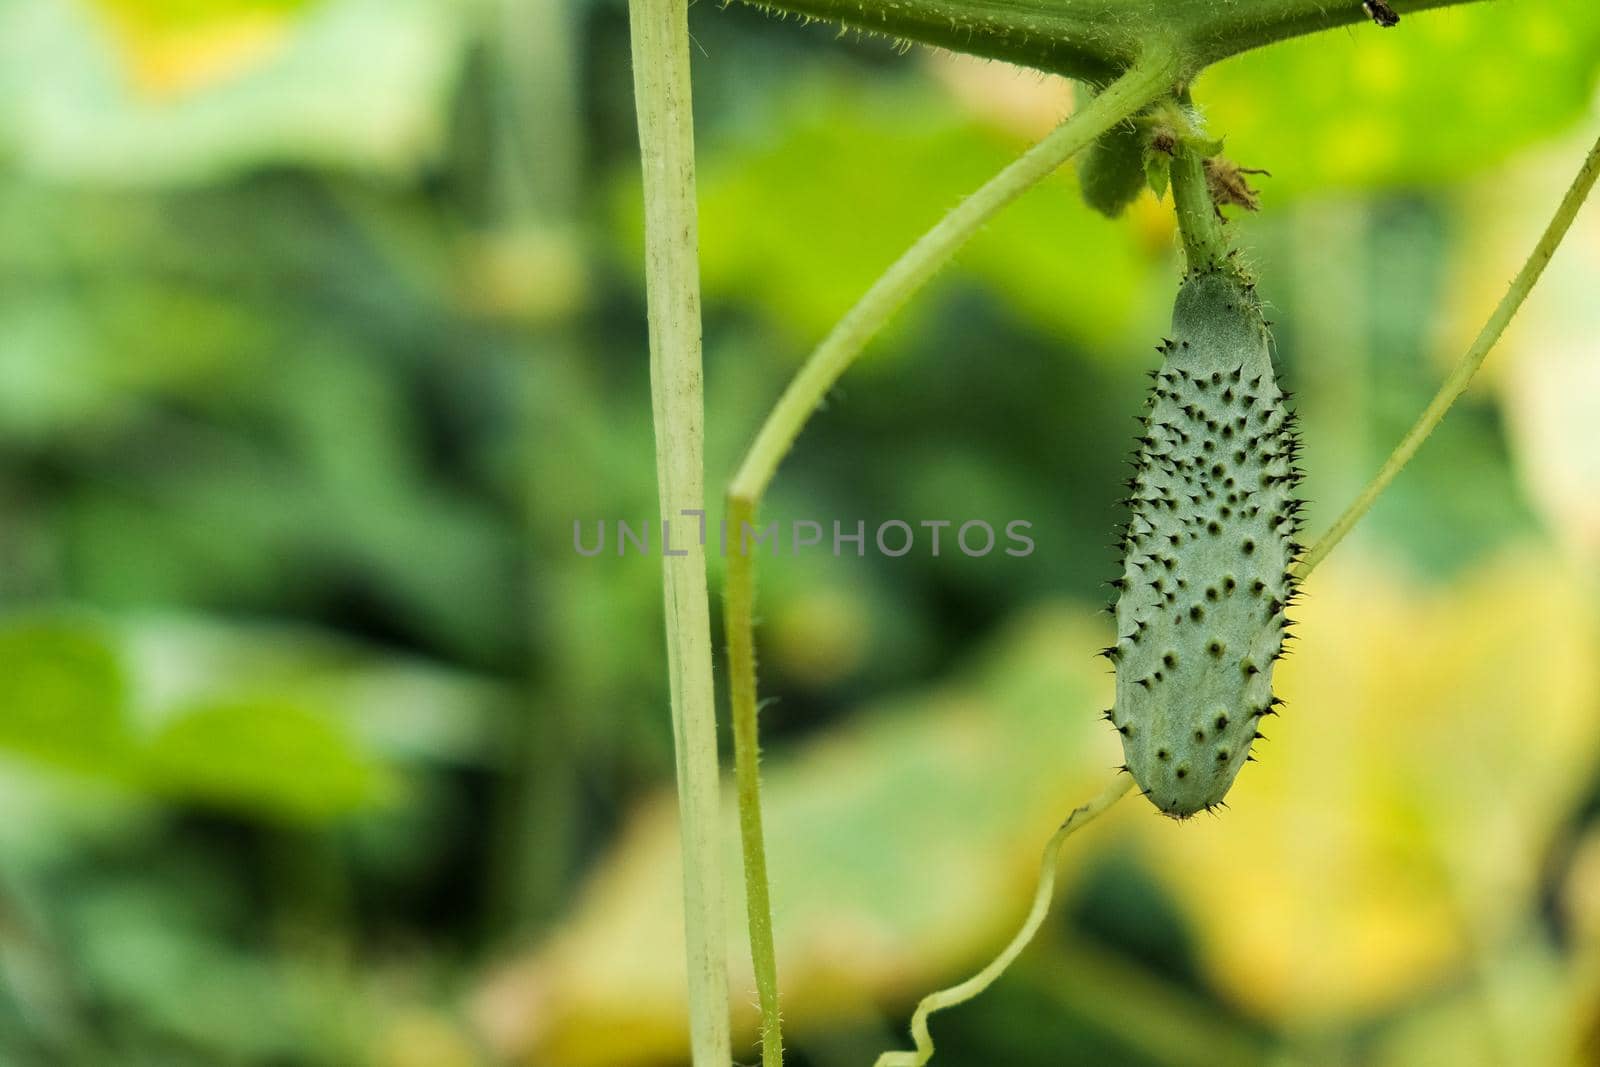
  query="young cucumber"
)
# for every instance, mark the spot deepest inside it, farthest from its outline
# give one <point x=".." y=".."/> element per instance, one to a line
<point x="1205" y="581"/>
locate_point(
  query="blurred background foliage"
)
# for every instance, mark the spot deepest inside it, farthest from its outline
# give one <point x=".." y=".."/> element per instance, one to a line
<point x="321" y="323"/>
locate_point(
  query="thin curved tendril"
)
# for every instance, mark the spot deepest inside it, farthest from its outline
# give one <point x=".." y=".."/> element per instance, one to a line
<point x="1146" y="80"/>
<point x="1461" y="376"/>
<point x="965" y="991"/>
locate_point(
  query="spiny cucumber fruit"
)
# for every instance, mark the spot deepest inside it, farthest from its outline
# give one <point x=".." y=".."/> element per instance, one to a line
<point x="1206" y="552"/>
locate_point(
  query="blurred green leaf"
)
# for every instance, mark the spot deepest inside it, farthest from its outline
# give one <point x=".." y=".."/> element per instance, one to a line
<point x="75" y="361"/>
<point x="277" y="723"/>
<point x="1444" y="93"/>
<point x="62" y="695"/>
<point x="264" y="757"/>
<point x="796" y="223"/>
<point x="350" y="84"/>
<point x="148" y="950"/>
<point x="397" y="709"/>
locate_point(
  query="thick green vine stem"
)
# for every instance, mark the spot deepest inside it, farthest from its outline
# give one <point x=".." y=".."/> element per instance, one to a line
<point x="1461" y="376"/>
<point x="660" y="33"/>
<point x="1147" y="79"/>
<point x="1092" y="39"/>
<point x="965" y="991"/>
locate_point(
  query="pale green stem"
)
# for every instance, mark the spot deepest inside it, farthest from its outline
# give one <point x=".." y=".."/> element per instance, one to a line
<point x="660" y="36"/>
<point x="1461" y="376"/>
<point x="1144" y="82"/>
<point x="965" y="991"/>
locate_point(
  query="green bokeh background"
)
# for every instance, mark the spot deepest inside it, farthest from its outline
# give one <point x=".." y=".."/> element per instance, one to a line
<point x="321" y="322"/>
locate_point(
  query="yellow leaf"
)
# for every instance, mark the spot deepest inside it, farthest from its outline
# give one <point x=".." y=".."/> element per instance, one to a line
<point x="175" y="47"/>
<point x="902" y="848"/>
<point x="1435" y="738"/>
<point x="1432" y="741"/>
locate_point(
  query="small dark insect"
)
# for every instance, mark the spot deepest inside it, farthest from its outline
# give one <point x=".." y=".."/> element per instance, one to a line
<point x="1380" y="12"/>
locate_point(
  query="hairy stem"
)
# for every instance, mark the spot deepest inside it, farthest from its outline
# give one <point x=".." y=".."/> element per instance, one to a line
<point x="1093" y="39"/>
<point x="1204" y="244"/>
<point x="1461" y="376"/>
<point x="739" y="604"/>
<point x="1141" y="84"/>
<point x="965" y="991"/>
<point x="660" y="36"/>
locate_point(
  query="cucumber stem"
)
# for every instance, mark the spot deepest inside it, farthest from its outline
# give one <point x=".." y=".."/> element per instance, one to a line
<point x="1205" y="246"/>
